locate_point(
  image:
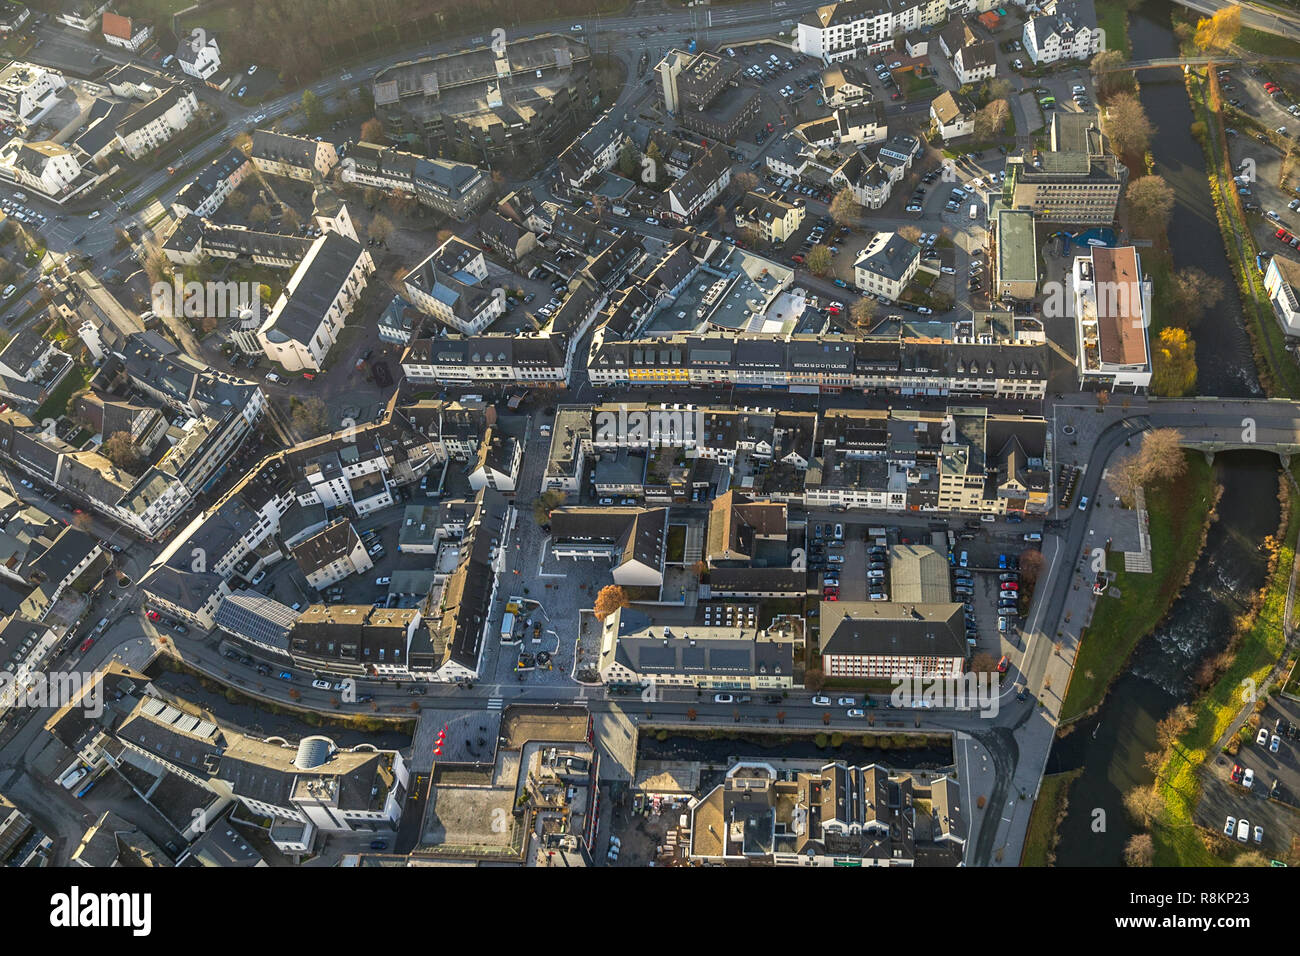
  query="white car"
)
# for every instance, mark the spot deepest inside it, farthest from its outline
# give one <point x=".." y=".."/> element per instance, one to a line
<point x="821" y="701"/>
<point x="1261" y="738"/>
<point x="847" y="701"/>
<point x="1259" y="834"/>
<point x="651" y="221"/>
<point x="1230" y="826"/>
<point x="1243" y="830"/>
<point x="386" y="579"/>
<point x="723" y="699"/>
<point x="1281" y="131"/>
<point x="857" y="712"/>
<point x="576" y="28"/>
<point x="1018" y="64"/>
<point x="321" y="684"/>
<point x="1248" y="779"/>
<point x="252" y="69"/>
<point x="257" y="578"/>
<point x="948" y="270"/>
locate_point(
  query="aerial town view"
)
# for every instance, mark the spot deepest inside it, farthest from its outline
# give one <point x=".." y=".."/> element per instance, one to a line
<point x="651" y="434"/>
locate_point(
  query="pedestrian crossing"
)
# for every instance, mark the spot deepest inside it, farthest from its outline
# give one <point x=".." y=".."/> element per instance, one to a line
<point x="495" y="703"/>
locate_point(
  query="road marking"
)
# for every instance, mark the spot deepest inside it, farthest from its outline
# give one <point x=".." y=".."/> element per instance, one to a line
<point x="495" y="703"/>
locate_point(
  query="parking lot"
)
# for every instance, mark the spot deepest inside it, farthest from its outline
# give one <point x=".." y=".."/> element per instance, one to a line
<point x="1273" y="799"/>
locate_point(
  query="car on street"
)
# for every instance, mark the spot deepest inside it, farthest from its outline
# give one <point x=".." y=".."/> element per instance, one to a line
<point x="321" y="684"/>
<point x="856" y="712"/>
<point x="723" y="699"/>
<point x="383" y="581"/>
<point x="847" y="701"/>
<point x="821" y="701"/>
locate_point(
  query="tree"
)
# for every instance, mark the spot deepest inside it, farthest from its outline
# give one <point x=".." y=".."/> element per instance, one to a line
<point x="752" y="236"/>
<point x="691" y="713"/>
<point x="863" y="312"/>
<point x="1143" y="805"/>
<point x="259" y="215"/>
<point x="544" y="505"/>
<point x="911" y="233"/>
<point x="1250" y="858"/>
<point x="238" y="199"/>
<point x="819" y="260"/>
<point x="813" y="679"/>
<point x="983" y="663"/>
<point x="1140" y="850"/>
<point x="1000" y="88"/>
<point x="1031" y="566"/>
<point x="1110" y="79"/>
<point x="1194" y="292"/>
<point x="845" y="207"/>
<point x="289" y="218"/>
<point x="1160" y="458"/>
<point x="309" y="417"/>
<point x="1219" y="31"/>
<point x="1173" y="370"/>
<point x="744" y="182"/>
<point x="1127" y="125"/>
<point x="372" y="131"/>
<point x="313" y="109"/>
<point x="1150" y="205"/>
<point x="610" y="599"/>
<point x="629" y="160"/>
<point x="380" y="228"/>
<point x="699" y="569"/>
<point x="121" y="450"/>
<point x="990" y="120"/>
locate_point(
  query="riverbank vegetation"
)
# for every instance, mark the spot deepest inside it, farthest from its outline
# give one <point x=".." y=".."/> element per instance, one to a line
<point x="1050" y="808"/>
<point x="1178" y="512"/>
<point x="1278" y="373"/>
<point x="1194" y="733"/>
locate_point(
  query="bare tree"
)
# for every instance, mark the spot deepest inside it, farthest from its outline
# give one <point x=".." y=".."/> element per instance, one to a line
<point x="1140" y="850"/>
<point x="1127" y="125"/>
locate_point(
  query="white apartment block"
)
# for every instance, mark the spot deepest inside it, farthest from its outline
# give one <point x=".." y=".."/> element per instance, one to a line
<point x="157" y="122"/>
<point x="28" y="92"/>
<point x="841" y="31"/>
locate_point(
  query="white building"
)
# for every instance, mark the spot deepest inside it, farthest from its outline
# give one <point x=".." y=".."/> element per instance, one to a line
<point x="82" y="15"/>
<point x="1063" y="30"/>
<point x="198" y="55"/>
<point x="1282" y="281"/>
<point x="28" y="92"/>
<point x="157" y="122"/>
<point x="129" y="33"/>
<point x="452" y="286"/>
<point x="1112" y="310"/>
<point x="45" y="166"/>
<point x="841" y="31"/>
<point x="886" y="265"/>
<point x="294" y="157"/>
<point x="952" y="116"/>
<point x="307" y="318"/>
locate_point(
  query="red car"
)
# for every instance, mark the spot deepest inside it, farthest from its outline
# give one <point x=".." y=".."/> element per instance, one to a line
<point x="797" y="258"/>
<point x="1281" y="234"/>
<point x="85" y="645"/>
<point x="1002" y="665"/>
<point x="831" y="310"/>
<point x="1237" y="773"/>
<point x="830" y="597"/>
<point x="155" y="616"/>
<point x="1010" y="586"/>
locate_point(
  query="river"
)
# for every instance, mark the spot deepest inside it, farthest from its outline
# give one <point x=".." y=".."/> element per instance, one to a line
<point x="1111" y="746"/>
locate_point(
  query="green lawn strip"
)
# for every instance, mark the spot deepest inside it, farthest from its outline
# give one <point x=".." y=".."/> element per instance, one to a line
<point x="1178" y="514"/>
<point x="1040" y="838"/>
<point x="1112" y="17"/>
<point x="1177" y="839"/>
<point x="1268" y="44"/>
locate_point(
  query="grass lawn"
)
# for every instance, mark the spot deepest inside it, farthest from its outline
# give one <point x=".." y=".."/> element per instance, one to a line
<point x="1040" y="839"/>
<point x="1178" y="513"/>
<point x="1112" y="17"/>
<point x="1269" y="44"/>
<point x="1177" y="840"/>
<point x="57" y="402"/>
<point x="676" y="542"/>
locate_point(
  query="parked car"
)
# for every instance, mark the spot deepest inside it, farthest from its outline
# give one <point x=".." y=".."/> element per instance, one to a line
<point x="723" y="699"/>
